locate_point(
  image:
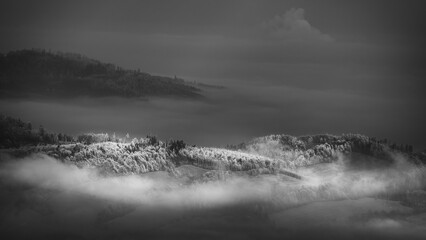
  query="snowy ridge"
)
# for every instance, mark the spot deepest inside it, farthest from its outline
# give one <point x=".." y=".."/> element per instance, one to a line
<point x="264" y="155"/>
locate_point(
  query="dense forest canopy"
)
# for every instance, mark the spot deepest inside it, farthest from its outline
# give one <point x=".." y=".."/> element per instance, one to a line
<point x="43" y="73"/>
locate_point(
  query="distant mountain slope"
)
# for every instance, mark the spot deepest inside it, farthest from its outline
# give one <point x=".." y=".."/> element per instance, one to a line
<point x="42" y="73"/>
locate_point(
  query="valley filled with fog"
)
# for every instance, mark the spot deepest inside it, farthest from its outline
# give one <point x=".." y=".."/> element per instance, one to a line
<point x="300" y="187"/>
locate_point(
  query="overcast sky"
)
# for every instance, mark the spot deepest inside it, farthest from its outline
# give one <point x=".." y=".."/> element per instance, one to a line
<point x="318" y="66"/>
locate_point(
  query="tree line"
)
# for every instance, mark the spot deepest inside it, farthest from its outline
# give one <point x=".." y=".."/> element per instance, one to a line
<point x="15" y="133"/>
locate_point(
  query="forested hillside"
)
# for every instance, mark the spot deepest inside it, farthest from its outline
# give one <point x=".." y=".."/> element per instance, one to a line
<point x="263" y="155"/>
<point x="46" y="74"/>
<point x="311" y="149"/>
<point x="16" y="133"/>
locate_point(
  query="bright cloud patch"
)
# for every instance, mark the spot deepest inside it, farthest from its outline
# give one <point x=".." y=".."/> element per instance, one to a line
<point x="292" y="26"/>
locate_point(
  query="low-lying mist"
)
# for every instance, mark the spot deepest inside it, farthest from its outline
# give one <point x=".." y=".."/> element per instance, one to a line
<point x="228" y="116"/>
<point x="51" y="197"/>
<point x="320" y="182"/>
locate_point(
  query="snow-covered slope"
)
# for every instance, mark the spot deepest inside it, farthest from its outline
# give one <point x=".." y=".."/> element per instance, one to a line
<point x="264" y="155"/>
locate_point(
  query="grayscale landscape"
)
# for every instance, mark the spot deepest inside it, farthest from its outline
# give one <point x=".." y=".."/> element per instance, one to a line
<point x="212" y="120"/>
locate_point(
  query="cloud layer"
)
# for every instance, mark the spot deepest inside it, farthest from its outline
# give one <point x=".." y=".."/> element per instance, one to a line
<point x="55" y="200"/>
<point x="325" y="182"/>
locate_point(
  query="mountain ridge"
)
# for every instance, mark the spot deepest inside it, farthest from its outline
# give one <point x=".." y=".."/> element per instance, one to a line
<point x="272" y="154"/>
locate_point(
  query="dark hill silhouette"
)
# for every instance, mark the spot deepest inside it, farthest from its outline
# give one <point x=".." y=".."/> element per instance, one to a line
<point x="43" y="73"/>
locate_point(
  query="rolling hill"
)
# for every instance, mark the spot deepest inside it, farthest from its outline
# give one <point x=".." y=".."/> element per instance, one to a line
<point x="273" y="154"/>
<point x="40" y="73"/>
